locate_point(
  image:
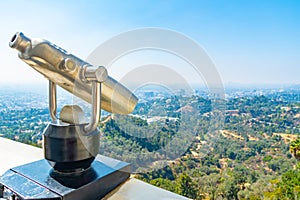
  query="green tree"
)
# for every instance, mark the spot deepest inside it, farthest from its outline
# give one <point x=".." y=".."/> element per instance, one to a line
<point x="229" y="189"/>
<point x="185" y="186"/>
<point x="295" y="148"/>
<point x="287" y="188"/>
<point x="164" y="183"/>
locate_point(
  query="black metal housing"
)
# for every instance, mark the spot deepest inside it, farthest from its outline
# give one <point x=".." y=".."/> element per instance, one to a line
<point x="33" y="181"/>
<point x="67" y="149"/>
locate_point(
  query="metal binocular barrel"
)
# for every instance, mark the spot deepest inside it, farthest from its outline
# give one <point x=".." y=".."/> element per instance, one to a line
<point x="71" y="73"/>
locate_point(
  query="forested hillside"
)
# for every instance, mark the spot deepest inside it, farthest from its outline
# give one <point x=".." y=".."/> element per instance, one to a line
<point x="249" y="159"/>
<point x="188" y="146"/>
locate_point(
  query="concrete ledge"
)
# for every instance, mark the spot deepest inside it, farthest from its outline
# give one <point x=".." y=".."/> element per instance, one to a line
<point x="134" y="189"/>
<point x="14" y="153"/>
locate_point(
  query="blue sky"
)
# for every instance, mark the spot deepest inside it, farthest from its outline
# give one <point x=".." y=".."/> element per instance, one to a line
<point x="251" y="42"/>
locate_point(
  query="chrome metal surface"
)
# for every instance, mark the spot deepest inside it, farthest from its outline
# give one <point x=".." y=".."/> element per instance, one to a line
<point x="96" y="107"/>
<point x="52" y="101"/>
<point x="70" y="144"/>
<point x="72" y="114"/>
<point x="64" y="69"/>
<point x="98" y="74"/>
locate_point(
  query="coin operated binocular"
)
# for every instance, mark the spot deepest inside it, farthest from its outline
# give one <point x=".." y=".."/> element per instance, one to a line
<point x="72" y="168"/>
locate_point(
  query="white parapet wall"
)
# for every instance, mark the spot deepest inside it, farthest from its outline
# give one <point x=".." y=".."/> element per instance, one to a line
<point x="14" y="153"/>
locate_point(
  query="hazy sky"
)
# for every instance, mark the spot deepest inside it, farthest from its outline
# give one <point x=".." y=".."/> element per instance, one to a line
<point x="252" y="41"/>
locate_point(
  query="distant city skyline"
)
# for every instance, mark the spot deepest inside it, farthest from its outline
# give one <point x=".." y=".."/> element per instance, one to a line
<point x="250" y="42"/>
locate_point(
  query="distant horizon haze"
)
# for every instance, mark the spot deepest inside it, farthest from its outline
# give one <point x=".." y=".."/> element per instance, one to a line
<point x="250" y="42"/>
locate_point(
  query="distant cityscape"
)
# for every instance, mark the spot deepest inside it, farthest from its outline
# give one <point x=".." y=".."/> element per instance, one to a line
<point x="28" y="108"/>
<point x="243" y="158"/>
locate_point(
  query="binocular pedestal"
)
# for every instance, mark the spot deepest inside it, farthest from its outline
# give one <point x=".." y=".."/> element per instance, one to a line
<point x="71" y="169"/>
<point x="68" y="149"/>
<point x="33" y="181"/>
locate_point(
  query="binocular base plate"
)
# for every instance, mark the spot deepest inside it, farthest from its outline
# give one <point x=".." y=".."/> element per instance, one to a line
<point x="37" y="180"/>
